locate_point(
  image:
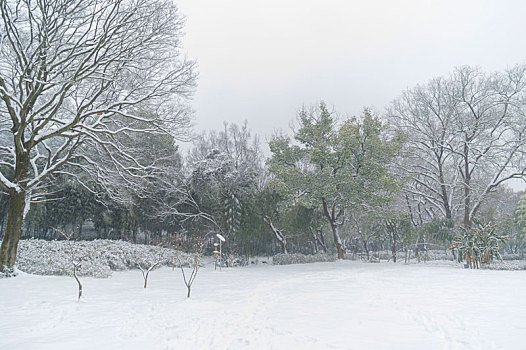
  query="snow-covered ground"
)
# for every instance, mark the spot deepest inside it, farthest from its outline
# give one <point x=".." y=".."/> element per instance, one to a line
<point x="338" y="305"/>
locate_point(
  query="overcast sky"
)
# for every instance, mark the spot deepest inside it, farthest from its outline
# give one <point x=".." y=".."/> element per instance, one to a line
<point x="260" y="61"/>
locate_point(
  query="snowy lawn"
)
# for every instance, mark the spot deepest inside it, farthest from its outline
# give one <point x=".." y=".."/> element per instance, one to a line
<point x="339" y="305"/>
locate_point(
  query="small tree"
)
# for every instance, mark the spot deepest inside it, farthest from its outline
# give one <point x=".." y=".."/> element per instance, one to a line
<point x="76" y="262"/>
<point x="188" y="282"/>
<point x="146" y="271"/>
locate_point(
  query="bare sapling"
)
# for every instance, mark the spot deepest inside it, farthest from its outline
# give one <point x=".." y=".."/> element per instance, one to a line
<point x="77" y="263"/>
<point x="146" y="271"/>
<point x="188" y="282"/>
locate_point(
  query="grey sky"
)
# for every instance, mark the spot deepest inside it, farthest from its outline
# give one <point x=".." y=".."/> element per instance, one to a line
<point x="261" y="60"/>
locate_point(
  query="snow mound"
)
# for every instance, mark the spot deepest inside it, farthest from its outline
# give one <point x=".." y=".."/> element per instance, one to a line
<point x="98" y="258"/>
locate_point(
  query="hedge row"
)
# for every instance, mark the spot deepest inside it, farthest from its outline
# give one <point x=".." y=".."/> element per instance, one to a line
<point x="98" y="258"/>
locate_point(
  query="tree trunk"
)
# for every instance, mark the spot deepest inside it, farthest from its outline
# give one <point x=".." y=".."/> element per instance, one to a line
<point x="279" y="235"/>
<point x="467" y="205"/>
<point x="467" y="188"/>
<point x="444" y="194"/>
<point x="393" y="247"/>
<point x="366" y="248"/>
<point x="322" y="241"/>
<point x="13" y="230"/>
<point x="146" y="280"/>
<point x="75" y="269"/>
<point x="15" y="213"/>
<point x="392" y="232"/>
<point x="284" y="246"/>
<point x="337" y="240"/>
<point x="333" y="217"/>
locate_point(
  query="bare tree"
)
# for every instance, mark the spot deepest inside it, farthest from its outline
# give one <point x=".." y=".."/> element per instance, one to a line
<point x="195" y="267"/>
<point x="78" y="79"/>
<point x="146" y="271"/>
<point x="75" y="260"/>
<point x="466" y="138"/>
<point x="426" y="115"/>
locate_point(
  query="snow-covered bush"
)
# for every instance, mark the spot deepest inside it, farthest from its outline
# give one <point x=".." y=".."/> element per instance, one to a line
<point x="288" y="259"/>
<point x="387" y="255"/>
<point x="478" y="245"/>
<point x="512" y="265"/>
<point x="100" y="257"/>
<point x="439" y="255"/>
<point x="235" y="261"/>
<point x="510" y="256"/>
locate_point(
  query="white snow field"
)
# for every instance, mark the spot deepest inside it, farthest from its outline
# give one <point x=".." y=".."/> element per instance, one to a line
<point x="340" y="305"/>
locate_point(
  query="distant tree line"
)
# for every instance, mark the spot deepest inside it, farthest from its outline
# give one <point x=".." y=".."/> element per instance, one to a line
<point x="338" y="185"/>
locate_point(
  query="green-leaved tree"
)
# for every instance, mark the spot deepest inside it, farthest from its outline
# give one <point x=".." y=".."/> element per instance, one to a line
<point x="337" y="167"/>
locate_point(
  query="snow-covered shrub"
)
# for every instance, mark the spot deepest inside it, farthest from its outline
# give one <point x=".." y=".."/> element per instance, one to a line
<point x="236" y="261"/>
<point x="375" y="256"/>
<point x="7" y="273"/>
<point x="512" y="265"/>
<point x="100" y="257"/>
<point x="510" y="256"/>
<point x="387" y="255"/>
<point x="478" y="245"/>
<point x="288" y="259"/>
<point x="439" y="255"/>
